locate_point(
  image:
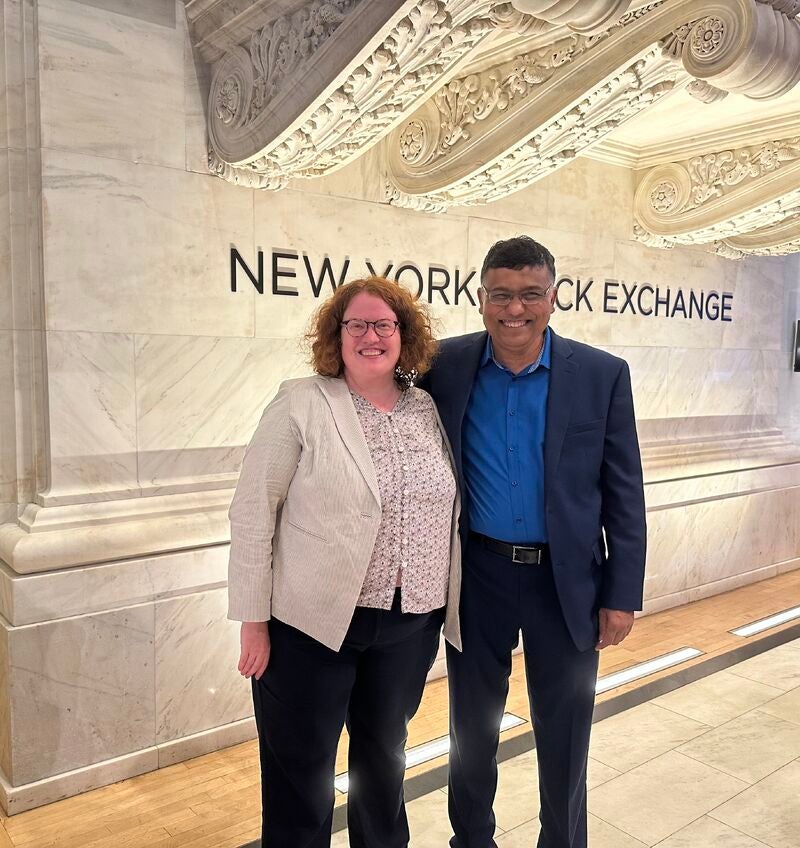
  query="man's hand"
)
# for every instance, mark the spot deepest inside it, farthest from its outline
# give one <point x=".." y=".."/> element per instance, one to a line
<point x="254" y="641"/>
<point x="615" y="625"/>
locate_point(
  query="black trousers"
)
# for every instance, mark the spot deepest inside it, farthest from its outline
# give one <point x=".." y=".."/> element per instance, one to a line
<point x="374" y="683"/>
<point x="498" y="599"/>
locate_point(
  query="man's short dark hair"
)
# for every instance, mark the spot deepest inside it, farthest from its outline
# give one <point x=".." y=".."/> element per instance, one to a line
<point x="517" y="253"/>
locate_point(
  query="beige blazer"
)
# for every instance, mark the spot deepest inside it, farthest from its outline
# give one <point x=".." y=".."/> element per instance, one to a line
<point x="306" y="514"/>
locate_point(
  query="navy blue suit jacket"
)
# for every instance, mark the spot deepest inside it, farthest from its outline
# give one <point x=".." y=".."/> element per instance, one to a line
<point x="592" y="470"/>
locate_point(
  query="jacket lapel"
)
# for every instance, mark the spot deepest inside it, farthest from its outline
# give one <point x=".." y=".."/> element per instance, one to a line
<point x="453" y="396"/>
<point x="346" y="419"/>
<point x="559" y="402"/>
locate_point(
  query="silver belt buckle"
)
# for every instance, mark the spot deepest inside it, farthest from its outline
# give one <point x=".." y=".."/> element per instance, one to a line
<point x="522" y="562"/>
<point x="514" y="550"/>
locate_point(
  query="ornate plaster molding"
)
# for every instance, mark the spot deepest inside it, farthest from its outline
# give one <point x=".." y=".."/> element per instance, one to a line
<point x="313" y="90"/>
<point x="519" y="117"/>
<point x="720" y="195"/>
<point x="749" y="48"/>
<point x="584" y="16"/>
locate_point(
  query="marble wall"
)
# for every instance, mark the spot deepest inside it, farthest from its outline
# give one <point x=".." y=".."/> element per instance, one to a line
<point x="156" y="373"/>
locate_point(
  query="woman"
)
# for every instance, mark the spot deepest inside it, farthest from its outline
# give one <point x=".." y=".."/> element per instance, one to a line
<point x="344" y="561"/>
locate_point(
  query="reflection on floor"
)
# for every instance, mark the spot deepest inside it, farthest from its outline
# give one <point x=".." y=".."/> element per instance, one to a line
<point x="726" y="736"/>
<point x="714" y="764"/>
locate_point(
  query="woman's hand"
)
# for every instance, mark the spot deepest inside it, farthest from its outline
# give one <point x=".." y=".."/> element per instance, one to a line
<point x="254" y="641"/>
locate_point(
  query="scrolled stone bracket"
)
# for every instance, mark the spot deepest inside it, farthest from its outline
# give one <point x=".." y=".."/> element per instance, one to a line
<point x="749" y="47"/>
<point x="268" y="123"/>
<point x="471" y="101"/>
<point x="748" y="192"/>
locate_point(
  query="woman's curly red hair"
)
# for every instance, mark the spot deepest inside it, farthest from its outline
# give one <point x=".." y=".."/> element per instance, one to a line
<point x="325" y="332"/>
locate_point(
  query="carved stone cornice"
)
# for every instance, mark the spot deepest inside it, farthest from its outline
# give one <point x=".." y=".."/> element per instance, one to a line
<point x="586" y="16"/>
<point x="521" y="117"/>
<point x="749" y="48"/>
<point x="313" y="90"/>
<point x="721" y="195"/>
<point x="485" y="135"/>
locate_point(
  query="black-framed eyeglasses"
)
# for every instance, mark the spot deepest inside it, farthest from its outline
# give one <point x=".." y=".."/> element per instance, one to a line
<point x="529" y="297"/>
<point x="358" y="327"/>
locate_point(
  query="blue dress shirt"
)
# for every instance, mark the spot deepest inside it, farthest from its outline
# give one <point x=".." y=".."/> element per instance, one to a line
<point x="503" y="448"/>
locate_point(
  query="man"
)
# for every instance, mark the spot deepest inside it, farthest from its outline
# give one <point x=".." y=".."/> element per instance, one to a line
<point x="544" y="438"/>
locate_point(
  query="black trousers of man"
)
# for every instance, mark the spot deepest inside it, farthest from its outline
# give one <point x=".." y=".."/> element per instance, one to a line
<point x="498" y="599"/>
<point x="374" y="683"/>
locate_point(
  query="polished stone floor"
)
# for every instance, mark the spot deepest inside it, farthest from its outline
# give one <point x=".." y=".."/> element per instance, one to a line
<point x="715" y="764"/>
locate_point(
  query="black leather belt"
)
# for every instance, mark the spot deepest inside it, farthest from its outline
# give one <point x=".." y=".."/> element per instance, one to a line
<point x="535" y="554"/>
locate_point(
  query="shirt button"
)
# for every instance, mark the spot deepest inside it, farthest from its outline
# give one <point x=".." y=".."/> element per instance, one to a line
<point x="513" y="482"/>
<point x="511" y="450"/>
<point x="519" y="521"/>
<point x="403" y="564"/>
<point x="405" y="541"/>
<point x="400" y="448"/>
<point x="405" y="468"/>
<point x="405" y="492"/>
<point x="405" y="515"/>
<point x="512" y="412"/>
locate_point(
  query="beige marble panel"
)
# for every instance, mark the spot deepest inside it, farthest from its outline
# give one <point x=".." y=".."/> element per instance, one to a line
<point x="189" y="747"/>
<point x="737" y="535"/>
<point x="315" y="226"/>
<point x="749" y="747"/>
<point x="786" y="706"/>
<point x="142" y="249"/>
<point x="709" y="833"/>
<point x="590" y="197"/>
<point x="8" y="427"/>
<point x="517" y="798"/>
<point x="529" y="208"/>
<point x="197" y="649"/>
<point x="6" y="298"/>
<point x="668" y="554"/>
<point x="581" y="257"/>
<point x="34" y="598"/>
<point x="82" y="690"/>
<point x="601" y="835"/>
<point x="20" y="286"/>
<point x="428" y="822"/>
<point x="199" y="400"/>
<point x="136" y="114"/>
<point x="758" y="299"/>
<point x="638" y="804"/>
<point x="779" y="667"/>
<point x="723" y="382"/>
<point x="635" y="736"/>
<point x="5" y="706"/>
<point x="768" y="811"/>
<point x="649" y="377"/>
<point x="360" y="180"/>
<point x="681" y="268"/>
<point x="718" y="698"/>
<point x="92" y="412"/>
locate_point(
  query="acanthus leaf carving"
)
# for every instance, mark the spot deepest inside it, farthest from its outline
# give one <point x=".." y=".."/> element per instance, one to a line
<point x="713" y="173"/>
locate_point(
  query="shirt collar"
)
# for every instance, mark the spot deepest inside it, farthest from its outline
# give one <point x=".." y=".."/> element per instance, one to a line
<point x="543" y="359"/>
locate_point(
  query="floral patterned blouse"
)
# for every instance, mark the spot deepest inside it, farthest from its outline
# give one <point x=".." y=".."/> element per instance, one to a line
<point x="417" y="489"/>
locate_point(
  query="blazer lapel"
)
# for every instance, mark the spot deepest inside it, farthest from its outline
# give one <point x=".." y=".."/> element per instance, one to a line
<point x="559" y="402"/>
<point x="453" y="397"/>
<point x="346" y="419"/>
